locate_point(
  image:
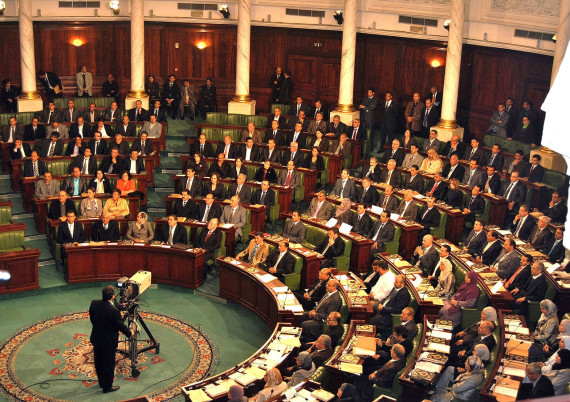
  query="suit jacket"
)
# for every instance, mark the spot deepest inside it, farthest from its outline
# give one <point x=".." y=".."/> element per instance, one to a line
<point x="18" y="154"/>
<point x="395" y="179"/>
<point x="497" y="162"/>
<point x="68" y="185"/>
<point x="457" y="173"/>
<point x="62" y="130"/>
<point x="411" y="213"/>
<point x="499" y="123"/>
<point x="269" y="199"/>
<point x="320" y="163"/>
<point x="281" y="121"/>
<point x="327" y="305"/>
<point x="344" y="150"/>
<point x="256" y="135"/>
<point x="491" y="254"/>
<point x="170" y="92"/>
<point x="38" y="134"/>
<point x="98" y="233"/>
<point x="294" y="181"/>
<point x="369" y="197"/>
<point x="137" y="146"/>
<point x="429" y="219"/>
<point x="526" y="228"/>
<point x="301" y="139"/>
<point x="223" y="170"/>
<point x="139" y="165"/>
<point x="479" y="155"/>
<point x="160" y="114"/>
<point x="475" y="205"/>
<point x="557" y="213"/>
<point x="114" y="117"/>
<point x="479" y="178"/>
<point x="46" y="190"/>
<point x="415" y="185"/>
<point x="186" y="211"/>
<point x="521" y="280"/>
<point x="107" y="163"/>
<point x="286" y="264"/>
<point x="375" y="175"/>
<point x="239" y="219"/>
<point x="107" y="322"/>
<point x="123" y="147"/>
<point x="315" y="125"/>
<point x="129" y="131"/>
<point x="71" y="148"/>
<point x="233" y="172"/>
<point x="517" y="194"/>
<point x="398" y="156"/>
<point x="208" y="150"/>
<point x="55" y="209"/>
<point x="142" y="115"/>
<point x="341" y="128"/>
<point x="555" y="254"/>
<point x="298" y="158"/>
<point x="260" y="255"/>
<point x="195" y="188"/>
<point x="395" y="303"/>
<point x="69" y="116"/>
<point x="542" y="389"/>
<point x="295" y="232"/>
<point x="384" y="377"/>
<point x="349" y="189"/>
<point x="64" y="235"/>
<point x="45" y="116"/>
<point x="440" y="191"/>
<point x="279" y="137"/>
<point x="215" y="212"/>
<point x="535" y="289"/>
<point x="416" y="124"/>
<point x="475" y="242"/>
<point x="459" y="150"/>
<point x="389" y="116"/>
<point x="88" y="118"/>
<point x="535" y="174"/>
<point x="429" y="260"/>
<point x="18" y="135"/>
<point x="435" y="144"/>
<point x="386" y="235"/>
<point x="507" y="267"/>
<point x="494" y="184"/>
<point x="153" y="131"/>
<point x="296" y="108"/>
<point x="88" y="83"/>
<point x="179" y="236"/>
<point x="78" y="162"/>
<point x="325" y="213"/>
<point x="233" y="151"/>
<point x="101" y="148"/>
<point x="539" y="241"/>
<point x="213" y="243"/>
<point x="244" y="194"/>
<point x="106" y="185"/>
<point x="360" y="134"/>
<point x="411" y="160"/>
<point x="391" y="204"/>
<point x="274" y="158"/>
<point x="362" y="226"/>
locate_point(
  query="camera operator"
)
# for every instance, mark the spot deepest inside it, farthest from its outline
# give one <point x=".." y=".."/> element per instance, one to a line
<point x="107" y="322"/>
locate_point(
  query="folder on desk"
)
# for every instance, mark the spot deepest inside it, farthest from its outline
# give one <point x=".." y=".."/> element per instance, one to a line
<point x="516" y="347"/>
<point x="198" y="395"/>
<point x="350" y="368"/>
<point x="364" y="346"/>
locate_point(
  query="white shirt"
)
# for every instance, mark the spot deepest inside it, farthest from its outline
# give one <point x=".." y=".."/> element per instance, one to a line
<point x="133" y="168"/>
<point x="384" y="286"/>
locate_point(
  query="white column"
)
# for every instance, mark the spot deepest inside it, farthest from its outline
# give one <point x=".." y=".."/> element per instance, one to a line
<point x="345" y="108"/>
<point x="447" y="126"/>
<point x="137" y="91"/>
<point x="562" y="37"/>
<point x="30" y="100"/>
<point x="242" y="102"/>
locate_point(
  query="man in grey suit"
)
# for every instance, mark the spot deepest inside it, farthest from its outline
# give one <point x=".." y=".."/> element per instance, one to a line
<point x="541" y="236"/>
<point x="13" y="131"/>
<point x="408" y="209"/>
<point x="413" y="114"/>
<point x="412" y="158"/>
<point x="47" y="187"/>
<point x="427" y="255"/>
<point x="289" y="177"/>
<point x="432" y="142"/>
<point x="57" y="128"/>
<point x="344" y="187"/>
<point x="113" y="114"/>
<point x="152" y="127"/>
<point x="84" y="81"/>
<point x="388" y="201"/>
<point x="499" y="122"/>
<point x="320" y="208"/>
<point x="234" y="214"/>
<point x="294" y="229"/>
<point x="473" y="176"/>
<point x="507" y="262"/>
<point x="242" y="190"/>
<point x="70" y="114"/>
<point x="312" y="321"/>
<point x="318" y="124"/>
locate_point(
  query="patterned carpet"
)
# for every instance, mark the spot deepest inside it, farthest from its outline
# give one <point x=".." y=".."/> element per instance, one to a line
<point x="47" y="352"/>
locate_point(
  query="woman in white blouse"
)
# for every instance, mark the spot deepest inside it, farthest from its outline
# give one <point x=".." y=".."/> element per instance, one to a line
<point x="91" y="207"/>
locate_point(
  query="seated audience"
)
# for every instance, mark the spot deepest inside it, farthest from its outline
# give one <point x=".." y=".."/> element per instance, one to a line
<point x="266" y="173"/>
<point x="312" y="322"/>
<point x="321" y="350"/>
<point x="280" y="261"/>
<point x="385" y="283"/>
<point x="235" y="392"/>
<point x="383" y="377"/>
<point x="47" y="187"/>
<point x="235" y="214"/>
<point x="216" y="188"/>
<point x="476" y="240"/>
<point x="59" y="208"/>
<point x="388" y="201"/>
<point x="432" y="164"/>
<point x="308" y="298"/>
<point x="465" y="386"/>
<point x="75" y="185"/>
<point x="303" y="370"/>
<point x="534" y="290"/>
<point x="184" y="207"/>
<point x="535" y="385"/>
<point x="492" y="249"/>
<point x="210" y="240"/>
<point x="100" y="183"/>
<point x="546" y="332"/>
<point x="446" y="281"/>
<point x="330" y="248"/>
<point x="473" y="205"/>
<point x="344" y="213"/>
<point x="382" y="233"/>
<point x="347" y="393"/>
<point x="320" y="208"/>
<point x="264" y="196"/>
<point x="294" y="229"/>
<point x="239" y="188"/>
<point x="344" y="186"/>
<point x="398" y="298"/>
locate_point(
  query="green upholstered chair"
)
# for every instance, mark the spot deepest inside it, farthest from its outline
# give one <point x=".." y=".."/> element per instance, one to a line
<point x="12" y="241"/>
<point x="103" y="101"/>
<point x="24" y="117"/>
<point x="5" y="215"/>
<point x="413" y="304"/>
<point x="235" y="134"/>
<point x="439" y="230"/>
<point x="213" y="133"/>
<point x="393" y="246"/>
<point x="313" y="237"/>
<point x="259" y="121"/>
<point x="299" y="194"/>
<point x="325" y="175"/>
<point x="396" y="389"/>
<point x="216" y="118"/>
<point x="246" y="229"/>
<point x="60" y="103"/>
<point x="556" y="181"/>
<point x="285" y="109"/>
<point x="58" y="168"/>
<point x="237" y="120"/>
<point x="273" y="214"/>
<point x="5" y="119"/>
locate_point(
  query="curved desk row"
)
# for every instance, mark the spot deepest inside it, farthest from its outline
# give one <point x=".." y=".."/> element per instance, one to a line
<point x="94" y="263"/>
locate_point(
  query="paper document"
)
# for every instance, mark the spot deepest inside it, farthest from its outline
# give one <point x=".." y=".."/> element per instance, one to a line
<point x="364" y="346"/>
<point x="345" y="228"/>
<point x="376" y="209"/>
<point x="497" y="287"/>
<point x="517" y="372"/>
<point x="198" y="395"/>
<point x="440" y="334"/>
<point x="351" y="368"/>
<point x="427" y="366"/>
<point x="506" y="391"/>
<point x="439" y="347"/>
<point x="266" y="278"/>
<point x="331" y="222"/>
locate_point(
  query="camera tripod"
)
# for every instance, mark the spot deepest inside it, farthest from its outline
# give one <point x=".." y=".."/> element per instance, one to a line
<point x="132" y="351"/>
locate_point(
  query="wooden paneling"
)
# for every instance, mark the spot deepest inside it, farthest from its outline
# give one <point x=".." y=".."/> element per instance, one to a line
<point x="10" y="52"/>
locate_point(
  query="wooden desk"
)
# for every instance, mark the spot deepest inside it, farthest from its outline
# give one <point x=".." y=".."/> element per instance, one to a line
<point x="230" y="232"/>
<point x="311" y="263"/>
<point x="242" y="285"/>
<point x="42" y="205"/>
<point x="257" y="213"/>
<point x="360" y="252"/>
<point x="22" y="265"/>
<point x="109" y="262"/>
<point x="357" y="311"/>
<point x="87" y="227"/>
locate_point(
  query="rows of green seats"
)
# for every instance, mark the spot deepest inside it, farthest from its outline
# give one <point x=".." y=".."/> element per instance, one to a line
<point x="241" y="120"/>
<point x="315" y="235"/>
<point x="21" y="117"/>
<point x="5" y="215"/>
<point x="510" y="146"/>
<point x="13" y="240"/>
<point x="285" y="109"/>
<point x="100" y="101"/>
<point x="61" y="167"/>
<point x="292" y="280"/>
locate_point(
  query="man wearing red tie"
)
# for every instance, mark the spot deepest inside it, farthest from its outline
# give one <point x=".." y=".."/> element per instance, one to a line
<point x="289" y="177"/>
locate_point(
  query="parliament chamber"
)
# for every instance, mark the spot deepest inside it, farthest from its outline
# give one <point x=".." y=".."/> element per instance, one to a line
<point x="381" y="196"/>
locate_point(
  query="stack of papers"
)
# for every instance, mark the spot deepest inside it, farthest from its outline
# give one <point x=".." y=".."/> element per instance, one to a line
<point x="266" y="278"/>
<point x="438" y="347"/>
<point x="198" y="395"/>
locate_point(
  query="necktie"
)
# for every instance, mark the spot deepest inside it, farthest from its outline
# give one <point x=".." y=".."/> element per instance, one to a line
<point x="536" y="235"/>
<point x="354" y="133"/>
<point x="183" y="204"/>
<point x="288" y="179"/>
<point x="51" y="149"/>
<point x="250" y="259"/>
<point x="156" y="112"/>
<point x="472" y="152"/>
<point x="136" y="115"/>
<point x="232" y="215"/>
<point x="205" y="217"/>
<point x="506" y="285"/>
<point x="61" y="209"/>
<point x="425" y="213"/>
<point x="434" y="187"/>
<point x="36" y="171"/>
<point x="412" y="109"/>
<point x="530" y="171"/>
<point x="338" y="149"/>
<point x="49" y="117"/>
<point x="84" y="170"/>
<point x="342" y="189"/>
<point x="411" y="161"/>
<point x="317" y="210"/>
<point x="105" y="226"/>
<point x="84" y="83"/>
<point x="262" y="198"/>
<point x="142" y="148"/>
<point x="208" y="235"/>
<point x="471" y="174"/>
<point x="238" y="190"/>
<point x="450" y="172"/>
<point x="226" y="151"/>
<point x="171" y="236"/>
<point x="509" y="190"/>
<point x="292" y="155"/>
<point x="492" y="159"/>
<point x="553" y="247"/>
<point x="375" y="238"/>
<point x="71" y="115"/>
<point x="385" y="202"/>
<point x="389" y="177"/>
<point x="426" y="119"/>
<point x="12" y="134"/>
<point x="96" y="146"/>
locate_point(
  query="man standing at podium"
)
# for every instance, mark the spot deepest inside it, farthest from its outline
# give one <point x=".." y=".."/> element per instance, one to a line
<point x="107" y="322"/>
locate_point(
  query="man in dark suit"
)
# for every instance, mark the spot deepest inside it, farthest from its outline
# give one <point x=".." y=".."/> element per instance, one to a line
<point x="438" y="188"/>
<point x="294" y="229"/>
<point x="427" y="255"/>
<point x="495" y="159"/>
<point x="191" y="183"/>
<point x="264" y="195"/>
<point x="453" y="170"/>
<point x="127" y="129"/>
<point x="414" y="181"/>
<point x="384" y="376"/>
<point x="344" y="186"/>
<point x="279" y="118"/>
<point x="311" y="296"/>
<point x="120" y="144"/>
<point x="280" y="261"/>
<point x="492" y="182"/>
<point x="86" y="163"/>
<point x="75" y="185"/>
<point x="52" y="84"/>
<point x="407" y="209"/>
<point x="520" y="279"/>
<point x="541" y="235"/>
<point x="143" y="145"/>
<point x="202" y="147"/>
<point x="430" y="118"/>
<point x="473" y="176"/>
<point x="91" y="115"/>
<point x="97" y="145"/>
<point x="336" y="127"/>
<point x="429" y="217"/>
<point x="454" y="147"/>
<point x="106" y="229"/>
<point x="299" y="106"/>
<point x="473" y="205"/>
<point x="312" y="321"/>
<point x="34" y="167"/>
<point x="13" y="131"/>
<point x="239" y="188"/>
<point x="221" y="167"/>
<point x="249" y="152"/>
<point x="367" y="194"/>
<point x="523" y="224"/>
<point x="534" y="291"/>
<point x="536" y="170"/>
<point x="298" y="136"/>
<point x="475" y="152"/>
<point x="107" y="322"/>
<point x="368" y="109"/>
<point x="507" y="261"/>
<point x="20" y="150"/>
<point x="159" y="111"/>
<point x="207" y="100"/>
<point x="391" y="176"/>
<point x="70" y="231"/>
<point x="59" y="208"/>
<point x="371" y="277"/>
<point x="34" y="131"/>
<point x="209" y="210"/>
<point x="492" y="249"/>
<point x="476" y="240"/>
<point x="293" y="154"/>
<point x="171" y="95"/>
<point x="381" y="233"/>
<point x="228" y="148"/>
<point x="184" y="207"/>
<point x="515" y="193"/>
<point x="275" y="133"/>
<point x="270" y="153"/>
<point x="138" y="113"/>
<point x="398" y="298"/>
<point x="105" y="130"/>
<point x="275" y="82"/>
<point x="76" y="147"/>
<point x="465" y="349"/>
<point x="52" y="146"/>
<point x="113" y="114"/>
<point x="556" y="209"/>
<point x="555" y="249"/>
<point x="355" y="132"/>
<point x="172" y="233"/>
<point x="388" y="123"/>
<point x="50" y="114"/>
<point x="539" y="386"/>
<point x="361" y="223"/>
<point x="331" y="247"/>
<point x="112" y="163"/>
<point x="210" y="239"/>
<point x="431" y="142"/>
<point x="134" y="164"/>
<point x="395" y="153"/>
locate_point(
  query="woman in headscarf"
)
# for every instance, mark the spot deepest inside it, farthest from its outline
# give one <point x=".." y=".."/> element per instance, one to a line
<point x="465" y="385"/>
<point x="446" y="281"/>
<point x="274" y="385"/>
<point x="545" y="333"/>
<point x="140" y="230"/>
<point x="560" y="373"/>
<point x="466" y="296"/>
<point x="347" y="392"/>
<point x="235" y="394"/>
<point x="563" y="330"/>
<point x="481" y="351"/>
<point x="343" y="213"/>
<point x="305" y="368"/>
<point x="471" y="332"/>
<point x="564" y="343"/>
